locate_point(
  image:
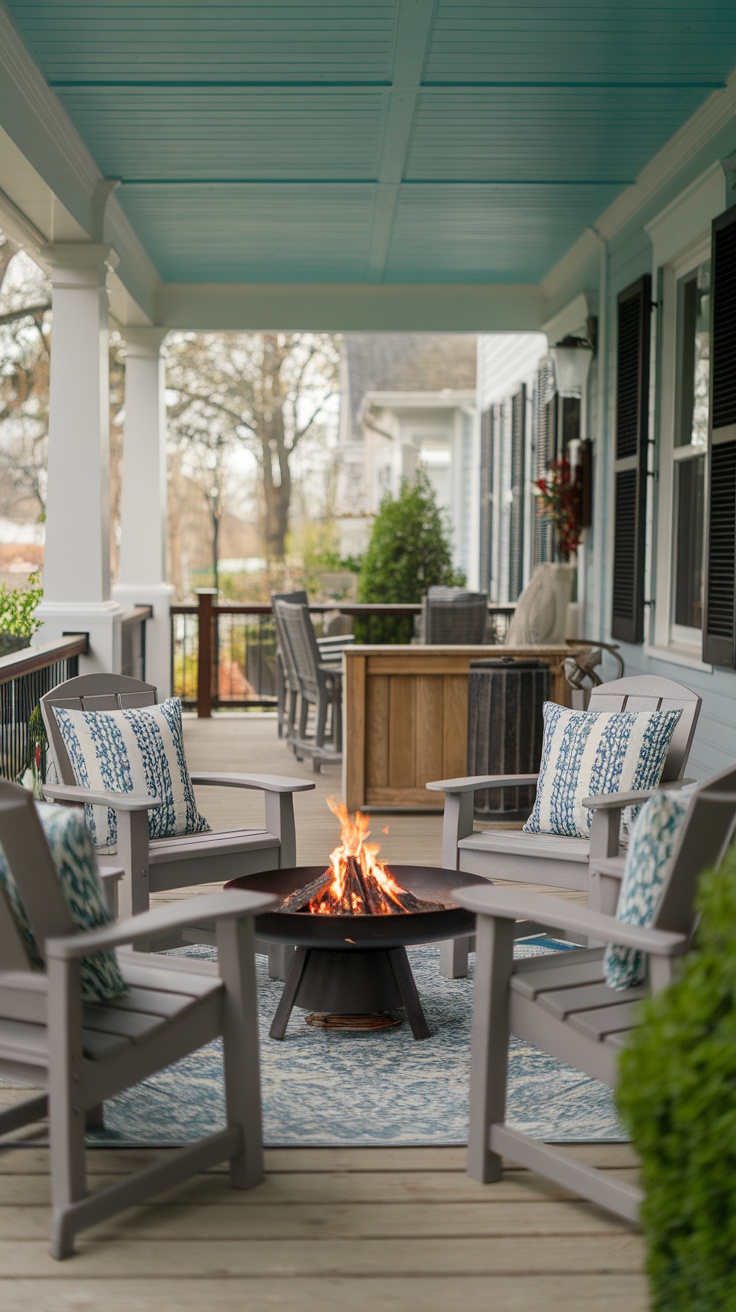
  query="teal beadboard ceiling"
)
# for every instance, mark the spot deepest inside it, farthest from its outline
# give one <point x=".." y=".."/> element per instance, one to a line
<point x="373" y="141"/>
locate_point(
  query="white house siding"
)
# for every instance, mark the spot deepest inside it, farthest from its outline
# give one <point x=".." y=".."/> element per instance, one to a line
<point x="505" y="360"/>
<point x="627" y="257"/>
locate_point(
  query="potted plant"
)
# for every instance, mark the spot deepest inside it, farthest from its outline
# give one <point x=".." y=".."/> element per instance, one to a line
<point x="18" y="621"/>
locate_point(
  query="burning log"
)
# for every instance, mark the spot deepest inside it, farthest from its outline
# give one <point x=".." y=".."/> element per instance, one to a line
<point x="356" y="883"/>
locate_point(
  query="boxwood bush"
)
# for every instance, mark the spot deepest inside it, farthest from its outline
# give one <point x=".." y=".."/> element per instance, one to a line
<point x="677" y="1095"/>
<point x="409" y="551"/>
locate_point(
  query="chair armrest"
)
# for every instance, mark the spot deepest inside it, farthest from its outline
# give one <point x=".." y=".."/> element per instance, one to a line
<point x="474" y="782"/>
<point x="508" y="904"/>
<point x="267" y="783"/>
<point x="617" y="801"/>
<point x="98" y="797"/>
<point x="162" y="920"/>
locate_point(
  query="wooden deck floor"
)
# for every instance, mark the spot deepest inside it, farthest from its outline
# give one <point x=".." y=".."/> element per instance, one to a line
<point x="403" y="1230"/>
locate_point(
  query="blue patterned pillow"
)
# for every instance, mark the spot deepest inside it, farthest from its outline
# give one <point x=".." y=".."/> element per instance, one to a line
<point x="140" y="750"/>
<point x="73" y="855"/>
<point x="648" y="860"/>
<point x="595" y="753"/>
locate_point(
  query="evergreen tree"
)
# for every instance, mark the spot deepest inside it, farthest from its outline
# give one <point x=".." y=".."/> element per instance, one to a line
<point x="409" y="551"/>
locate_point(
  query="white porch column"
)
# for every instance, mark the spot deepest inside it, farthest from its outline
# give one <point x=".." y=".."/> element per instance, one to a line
<point x="76" y="574"/>
<point x="142" y="580"/>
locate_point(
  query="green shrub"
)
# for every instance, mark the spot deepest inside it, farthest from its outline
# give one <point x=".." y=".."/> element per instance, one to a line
<point x="409" y="551"/>
<point x="677" y="1095"/>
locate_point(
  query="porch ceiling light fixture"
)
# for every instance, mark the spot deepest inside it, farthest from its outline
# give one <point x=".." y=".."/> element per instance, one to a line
<point x="572" y="357"/>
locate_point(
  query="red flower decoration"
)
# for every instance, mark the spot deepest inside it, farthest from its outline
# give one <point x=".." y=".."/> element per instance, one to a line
<point x="560" y="502"/>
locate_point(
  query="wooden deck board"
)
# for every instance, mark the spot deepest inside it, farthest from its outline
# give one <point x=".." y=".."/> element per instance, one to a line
<point x="348" y="1228"/>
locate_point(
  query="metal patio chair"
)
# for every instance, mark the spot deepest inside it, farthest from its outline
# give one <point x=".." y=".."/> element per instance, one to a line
<point x="80" y="1053"/>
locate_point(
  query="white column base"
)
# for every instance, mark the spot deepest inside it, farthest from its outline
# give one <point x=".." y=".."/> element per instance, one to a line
<point x="100" y="620"/>
<point x="158" y="628"/>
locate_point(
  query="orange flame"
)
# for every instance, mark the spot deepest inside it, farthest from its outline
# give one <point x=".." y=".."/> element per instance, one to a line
<point x="353" y="863"/>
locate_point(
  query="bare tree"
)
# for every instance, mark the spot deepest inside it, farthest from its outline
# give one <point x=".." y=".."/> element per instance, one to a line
<point x="265" y="392"/>
<point x="24" y="380"/>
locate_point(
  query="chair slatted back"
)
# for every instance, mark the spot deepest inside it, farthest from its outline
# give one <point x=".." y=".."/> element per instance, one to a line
<point x="648" y="692"/>
<point x="706" y="832"/>
<point x="90" y="692"/>
<point x="302" y="640"/>
<point x="287" y="656"/>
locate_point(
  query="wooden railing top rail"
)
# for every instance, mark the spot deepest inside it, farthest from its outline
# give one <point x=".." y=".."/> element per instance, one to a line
<point x="30" y="659"/>
<point x="345" y="608"/>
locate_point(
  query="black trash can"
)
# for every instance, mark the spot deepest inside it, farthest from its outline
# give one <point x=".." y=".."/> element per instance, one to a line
<point x="505" y="730"/>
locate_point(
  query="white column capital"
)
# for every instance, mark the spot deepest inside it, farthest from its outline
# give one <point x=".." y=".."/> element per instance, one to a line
<point x="79" y="264"/>
<point x="144" y="343"/>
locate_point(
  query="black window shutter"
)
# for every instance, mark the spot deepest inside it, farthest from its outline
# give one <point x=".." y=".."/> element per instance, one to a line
<point x="719" y="624"/>
<point x="486" y="498"/>
<point x="630" y="469"/>
<point x="516" y="551"/>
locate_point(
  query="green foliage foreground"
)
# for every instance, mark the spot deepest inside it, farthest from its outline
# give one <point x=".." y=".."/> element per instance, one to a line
<point x="409" y="551"/>
<point x="677" y="1095"/>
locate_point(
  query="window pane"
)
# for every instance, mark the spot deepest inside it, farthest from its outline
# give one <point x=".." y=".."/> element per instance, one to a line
<point x="689" y="527"/>
<point x="693" y="356"/>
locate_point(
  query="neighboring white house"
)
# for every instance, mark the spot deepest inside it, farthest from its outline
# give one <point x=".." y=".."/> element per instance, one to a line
<point x="408" y="401"/>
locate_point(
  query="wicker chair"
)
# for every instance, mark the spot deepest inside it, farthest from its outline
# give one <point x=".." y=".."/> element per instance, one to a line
<point x="454" y="617"/>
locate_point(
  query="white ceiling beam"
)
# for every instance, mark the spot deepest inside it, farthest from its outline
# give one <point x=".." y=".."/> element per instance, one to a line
<point x="350" y="307"/>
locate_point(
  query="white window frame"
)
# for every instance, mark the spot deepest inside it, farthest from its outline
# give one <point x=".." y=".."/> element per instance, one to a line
<point x="680" y="242"/>
<point x="667" y="634"/>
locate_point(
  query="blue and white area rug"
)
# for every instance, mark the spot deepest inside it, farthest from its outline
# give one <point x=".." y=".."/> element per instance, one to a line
<point x="330" y="1089"/>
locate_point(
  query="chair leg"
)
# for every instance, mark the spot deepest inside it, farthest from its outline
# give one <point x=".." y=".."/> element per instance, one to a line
<point x="454" y="958"/>
<point x="490" y="1044"/>
<point x="66" y="1105"/>
<point x="235" y="949"/>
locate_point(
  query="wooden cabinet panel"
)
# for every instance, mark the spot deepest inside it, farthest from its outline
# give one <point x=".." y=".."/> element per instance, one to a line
<point x="406" y="715"/>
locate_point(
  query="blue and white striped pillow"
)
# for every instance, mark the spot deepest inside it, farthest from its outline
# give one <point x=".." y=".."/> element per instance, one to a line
<point x="70" y="844"/>
<point x="593" y="753"/>
<point x="140" y="750"/>
<point x="648" y="860"/>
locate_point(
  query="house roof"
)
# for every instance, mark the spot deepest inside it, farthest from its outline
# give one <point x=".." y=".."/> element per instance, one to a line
<point x="407" y="362"/>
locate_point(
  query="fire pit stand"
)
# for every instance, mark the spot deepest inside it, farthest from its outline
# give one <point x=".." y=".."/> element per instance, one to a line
<point x="358" y="964"/>
<point x="357" y="983"/>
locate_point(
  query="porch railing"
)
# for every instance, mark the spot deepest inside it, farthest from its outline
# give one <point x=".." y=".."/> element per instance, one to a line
<point x="24" y="678"/>
<point x="224" y="656"/>
<point x="134" y="641"/>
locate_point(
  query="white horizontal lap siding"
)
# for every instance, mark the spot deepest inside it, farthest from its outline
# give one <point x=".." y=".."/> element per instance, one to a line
<point x="504" y="361"/>
<point x="714" y="745"/>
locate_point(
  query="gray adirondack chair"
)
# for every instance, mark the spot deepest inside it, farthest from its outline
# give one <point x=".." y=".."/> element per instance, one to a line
<point x="153" y="866"/>
<point x="549" y="858"/>
<point x="287" y="676"/>
<point x="320" y="686"/>
<point x="80" y="1053"/>
<point x="562" y="1005"/>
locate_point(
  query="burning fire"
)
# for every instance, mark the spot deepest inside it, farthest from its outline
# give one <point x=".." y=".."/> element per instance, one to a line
<point x="360" y="884"/>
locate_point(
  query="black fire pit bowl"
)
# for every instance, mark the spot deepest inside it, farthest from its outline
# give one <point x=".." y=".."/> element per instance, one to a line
<point x="358" y="964"/>
<point x="344" y="932"/>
